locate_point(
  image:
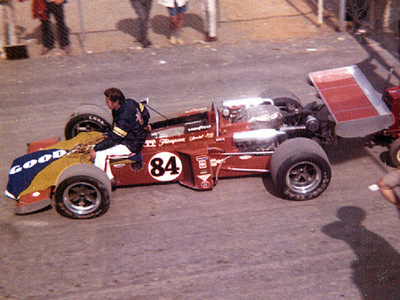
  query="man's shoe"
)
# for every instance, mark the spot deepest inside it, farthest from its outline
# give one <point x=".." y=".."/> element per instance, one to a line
<point x="146" y="44"/>
<point x="114" y="184"/>
<point x="67" y="49"/>
<point x="45" y="50"/>
<point x="173" y="40"/>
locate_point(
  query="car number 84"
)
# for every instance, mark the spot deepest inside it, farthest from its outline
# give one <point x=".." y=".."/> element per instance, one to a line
<point x="165" y="166"/>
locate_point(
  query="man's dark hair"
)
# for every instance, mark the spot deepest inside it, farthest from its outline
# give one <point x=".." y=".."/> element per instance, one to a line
<point x="114" y="95"/>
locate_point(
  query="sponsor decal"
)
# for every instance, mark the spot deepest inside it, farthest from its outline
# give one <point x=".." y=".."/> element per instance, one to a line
<point x="199" y="128"/>
<point x="166" y="141"/>
<point x="245" y="157"/>
<point x="198" y="137"/>
<point x="97" y="119"/>
<point x="202" y="136"/>
<point x="165" y="166"/>
<point x="199" y="109"/>
<point x="202" y="161"/>
<point x="45" y="158"/>
<point x="150" y="144"/>
<point x="215" y="162"/>
<point x="204" y="180"/>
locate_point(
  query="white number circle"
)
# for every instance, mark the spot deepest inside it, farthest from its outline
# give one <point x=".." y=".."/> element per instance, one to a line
<point x="165" y="166"/>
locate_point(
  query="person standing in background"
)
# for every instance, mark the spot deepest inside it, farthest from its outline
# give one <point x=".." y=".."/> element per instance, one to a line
<point x="7" y="23"/>
<point x="143" y="8"/>
<point x="42" y="9"/>
<point x="176" y="9"/>
<point x="210" y="17"/>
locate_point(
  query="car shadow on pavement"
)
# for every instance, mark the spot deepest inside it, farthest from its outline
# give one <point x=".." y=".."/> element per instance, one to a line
<point x="349" y="149"/>
<point x="376" y="272"/>
<point x="345" y="150"/>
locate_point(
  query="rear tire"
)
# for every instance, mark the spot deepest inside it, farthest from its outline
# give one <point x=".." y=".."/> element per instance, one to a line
<point x="82" y="192"/>
<point x="283" y="98"/>
<point x="287" y="104"/>
<point x="300" y="169"/>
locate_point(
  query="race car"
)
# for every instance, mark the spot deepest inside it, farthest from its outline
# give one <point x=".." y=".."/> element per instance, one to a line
<point x="251" y="136"/>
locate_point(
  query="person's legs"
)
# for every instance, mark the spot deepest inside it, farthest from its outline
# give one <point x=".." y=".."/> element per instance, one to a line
<point x="3" y="29"/>
<point x="176" y="23"/>
<point x="9" y="19"/>
<point x="143" y="8"/>
<point x="47" y="36"/>
<point x="173" y="25"/>
<point x="145" y="26"/>
<point x="47" y="33"/>
<point x="211" y="21"/>
<point x="103" y="158"/>
<point x="62" y="30"/>
<point x="180" y="21"/>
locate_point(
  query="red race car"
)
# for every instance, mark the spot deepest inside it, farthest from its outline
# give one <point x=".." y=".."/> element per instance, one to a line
<point x="267" y="134"/>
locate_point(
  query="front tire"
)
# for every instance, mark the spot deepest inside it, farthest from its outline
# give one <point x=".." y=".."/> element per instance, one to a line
<point x="300" y="169"/>
<point x="82" y="192"/>
<point x="87" y="118"/>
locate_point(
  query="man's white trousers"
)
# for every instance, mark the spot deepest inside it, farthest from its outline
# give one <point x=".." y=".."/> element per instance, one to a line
<point x="103" y="157"/>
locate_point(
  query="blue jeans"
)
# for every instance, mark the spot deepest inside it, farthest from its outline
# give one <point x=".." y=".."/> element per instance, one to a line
<point x="173" y="11"/>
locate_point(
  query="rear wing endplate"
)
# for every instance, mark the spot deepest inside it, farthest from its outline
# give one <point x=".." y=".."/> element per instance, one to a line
<point x="353" y="103"/>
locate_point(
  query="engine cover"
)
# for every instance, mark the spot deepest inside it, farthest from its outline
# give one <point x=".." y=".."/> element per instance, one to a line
<point x="264" y="116"/>
<point x="258" y="140"/>
<point x="259" y="112"/>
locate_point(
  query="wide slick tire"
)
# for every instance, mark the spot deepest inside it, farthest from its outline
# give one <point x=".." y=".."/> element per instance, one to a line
<point x="300" y="169"/>
<point x="87" y="118"/>
<point x="82" y="192"/>
<point x="394" y="152"/>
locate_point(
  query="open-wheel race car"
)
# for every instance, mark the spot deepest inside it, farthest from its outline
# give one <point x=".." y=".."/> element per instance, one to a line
<point x="266" y="134"/>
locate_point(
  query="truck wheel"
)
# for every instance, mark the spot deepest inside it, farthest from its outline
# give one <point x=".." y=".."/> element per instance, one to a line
<point x="300" y="169"/>
<point x="87" y="118"/>
<point x="82" y="192"/>
<point x="394" y="152"/>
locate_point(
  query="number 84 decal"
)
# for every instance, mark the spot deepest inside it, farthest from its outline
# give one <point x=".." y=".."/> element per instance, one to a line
<point x="165" y="166"/>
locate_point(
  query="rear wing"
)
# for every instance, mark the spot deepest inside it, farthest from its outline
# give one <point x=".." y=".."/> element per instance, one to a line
<point x="353" y="103"/>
